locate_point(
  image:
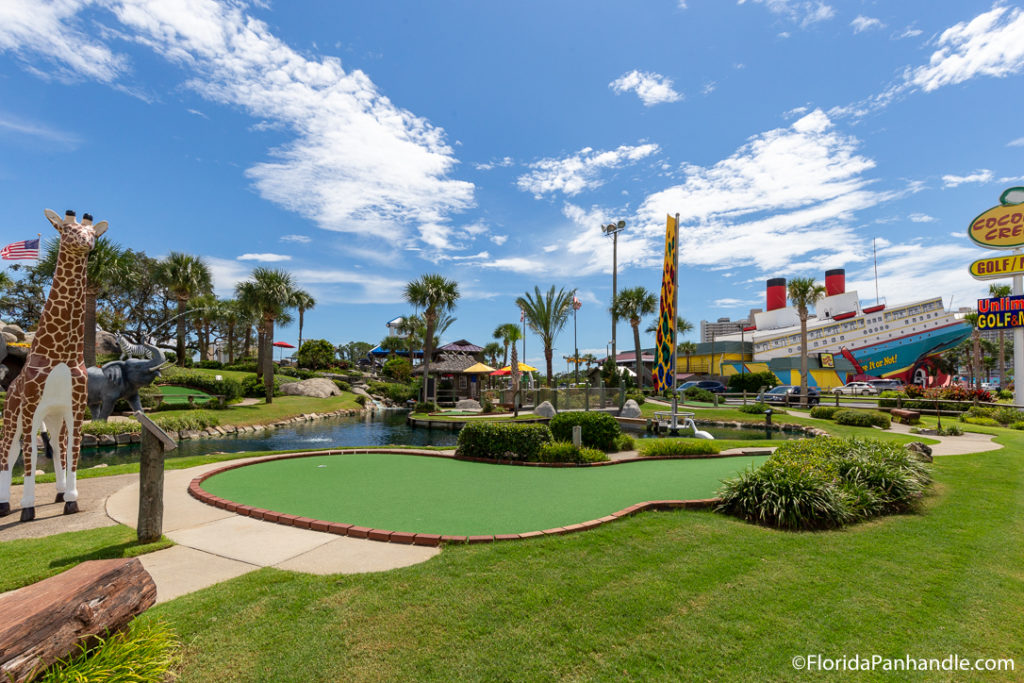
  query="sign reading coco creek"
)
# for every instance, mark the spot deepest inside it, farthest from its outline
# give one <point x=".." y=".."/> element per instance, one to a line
<point x="1001" y="227"/>
<point x="1001" y="313"/>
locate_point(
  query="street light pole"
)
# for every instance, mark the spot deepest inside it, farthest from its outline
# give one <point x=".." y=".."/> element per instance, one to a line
<point x="614" y="229"/>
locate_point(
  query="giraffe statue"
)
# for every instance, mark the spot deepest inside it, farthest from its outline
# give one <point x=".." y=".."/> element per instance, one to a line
<point x="52" y="388"/>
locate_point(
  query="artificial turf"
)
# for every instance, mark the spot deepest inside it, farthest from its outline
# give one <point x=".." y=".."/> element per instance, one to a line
<point x="443" y="496"/>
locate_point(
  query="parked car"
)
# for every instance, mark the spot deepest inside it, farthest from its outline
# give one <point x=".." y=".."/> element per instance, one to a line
<point x="856" y="389"/>
<point x="686" y="385"/>
<point x="712" y="386"/>
<point x="790" y="395"/>
<point x="990" y="386"/>
<point x="887" y="384"/>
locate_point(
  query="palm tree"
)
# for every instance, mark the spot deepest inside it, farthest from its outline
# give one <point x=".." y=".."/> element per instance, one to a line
<point x="1001" y="291"/>
<point x="183" y="276"/>
<point x="230" y="317"/>
<point x="546" y="315"/>
<point x="682" y="326"/>
<point x="208" y="312"/>
<point x="270" y="293"/>
<point x="972" y="320"/>
<point x="804" y="292"/>
<point x="434" y="295"/>
<point x="106" y="265"/>
<point x="686" y="348"/>
<point x="491" y="353"/>
<point x="507" y="333"/>
<point x="634" y="303"/>
<point x="302" y="300"/>
<point x="393" y="344"/>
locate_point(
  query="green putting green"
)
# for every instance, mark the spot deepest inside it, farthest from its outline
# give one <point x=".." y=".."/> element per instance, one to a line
<point x="176" y="394"/>
<point x="443" y="496"/>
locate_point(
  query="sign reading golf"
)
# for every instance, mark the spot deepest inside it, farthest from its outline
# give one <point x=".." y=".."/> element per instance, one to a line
<point x="1001" y="227"/>
<point x="997" y="267"/>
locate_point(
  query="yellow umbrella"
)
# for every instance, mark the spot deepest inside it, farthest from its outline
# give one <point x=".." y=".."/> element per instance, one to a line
<point x="523" y="367"/>
<point x="479" y="367"/>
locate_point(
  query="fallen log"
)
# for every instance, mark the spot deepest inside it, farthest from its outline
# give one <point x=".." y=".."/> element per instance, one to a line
<point x="46" y="621"/>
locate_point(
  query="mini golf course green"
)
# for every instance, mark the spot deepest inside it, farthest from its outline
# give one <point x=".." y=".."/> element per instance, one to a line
<point x="445" y="496"/>
<point x="176" y="394"/>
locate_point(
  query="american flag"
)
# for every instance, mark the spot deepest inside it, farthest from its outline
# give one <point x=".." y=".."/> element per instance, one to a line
<point x="25" y="249"/>
<point x="576" y="303"/>
<point x="522" y="315"/>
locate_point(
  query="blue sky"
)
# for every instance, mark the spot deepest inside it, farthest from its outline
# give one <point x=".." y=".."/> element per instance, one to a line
<point x="359" y="145"/>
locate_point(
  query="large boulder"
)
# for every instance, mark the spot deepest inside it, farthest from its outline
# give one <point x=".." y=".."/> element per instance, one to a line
<point x="317" y="387"/>
<point x="631" y="409"/>
<point x="545" y="409"/>
<point x="921" y="450"/>
<point x="106" y="343"/>
<point x="15" y="331"/>
<point x="468" y="404"/>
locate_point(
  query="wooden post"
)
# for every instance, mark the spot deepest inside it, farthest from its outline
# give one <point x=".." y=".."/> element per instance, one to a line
<point x="151" y="479"/>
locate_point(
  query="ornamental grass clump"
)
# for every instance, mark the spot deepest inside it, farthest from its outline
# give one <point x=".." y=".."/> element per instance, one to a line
<point x="677" y="446"/>
<point x="145" y="651"/>
<point x="826" y="483"/>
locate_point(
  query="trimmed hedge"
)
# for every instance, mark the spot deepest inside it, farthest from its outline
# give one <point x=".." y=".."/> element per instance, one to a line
<point x="825" y="483"/>
<point x="502" y="441"/>
<point x="562" y="451"/>
<point x="599" y="430"/>
<point x="761" y="409"/>
<point x="227" y="387"/>
<point x="860" y="418"/>
<point x="678" y="447"/>
<point x="824" y="412"/>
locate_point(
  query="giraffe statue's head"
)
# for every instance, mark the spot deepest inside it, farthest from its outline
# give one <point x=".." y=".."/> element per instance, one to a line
<point x="74" y="236"/>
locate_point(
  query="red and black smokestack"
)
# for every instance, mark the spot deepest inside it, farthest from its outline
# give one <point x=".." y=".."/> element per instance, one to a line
<point x="776" y="294"/>
<point x="835" y="281"/>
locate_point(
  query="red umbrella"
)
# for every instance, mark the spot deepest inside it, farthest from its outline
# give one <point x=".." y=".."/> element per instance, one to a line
<point x="283" y="345"/>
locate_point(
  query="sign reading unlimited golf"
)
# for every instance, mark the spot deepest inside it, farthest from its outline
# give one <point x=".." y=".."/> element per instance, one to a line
<point x="1002" y="313"/>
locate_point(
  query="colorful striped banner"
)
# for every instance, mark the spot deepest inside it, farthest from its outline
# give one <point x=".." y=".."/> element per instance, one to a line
<point x="664" y="373"/>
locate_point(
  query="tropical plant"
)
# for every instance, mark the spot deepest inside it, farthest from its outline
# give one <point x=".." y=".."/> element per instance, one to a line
<point x="803" y="293"/>
<point x="998" y="291"/>
<point x="972" y="320"/>
<point x="269" y="292"/>
<point x="686" y="348"/>
<point x="682" y="326"/>
<point x="491" y="353"/>
<point x="393" y="344"/>
<point x="435" y="296"/>
<point x="303" y="301"/>
<point x="507" y="333"/>
<point x="315" y="354"/>
<point x="546" y="314"/>
<point x="633" y="303"/>
<point x="184" y="277"/>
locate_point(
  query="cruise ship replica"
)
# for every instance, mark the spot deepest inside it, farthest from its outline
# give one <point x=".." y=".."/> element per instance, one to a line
<point x="844" y="341"/>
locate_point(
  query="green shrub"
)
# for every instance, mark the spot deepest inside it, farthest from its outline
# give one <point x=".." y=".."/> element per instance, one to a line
<point x="761" y="408"/>
<point x="317" y="354"/>
<point x="147" y="650"/>
<point x="1018" y="426"/>
<point x="502" y="441"/>
<point x="651" y="447"/>
<point x="825" y="483"/>
<point x="186" y="420"/>
<point x="243" y="365"/>
<point x="985" y="421"/>
<point x="824" y="412"/>
<point x="399" y="393"/>
<point x="486" y="406"/>
<point x="599" y="430"/>
<point x="752" y="381"/>
<point x="210" y="364"/>
<point x="955" y="430"/>
<point x="425" y="407"/>
<point x="1006" y="415"/>
<point x="561" y="451"/>
<point x="624" y="442"/>
<point x="343" y="385"/>
<point x="887" y="399"/>
<point x="361" y="400"/>
<point x="253" y="387"/>
<point x="637" y="396"/>
<point x="861" y="418"/>
<point x="1004" y="395"/>
<point x="111" y="428"/>
<point x="698" y="394"/>
<point x="397" y="369"/>
<point x="229" y="388"/>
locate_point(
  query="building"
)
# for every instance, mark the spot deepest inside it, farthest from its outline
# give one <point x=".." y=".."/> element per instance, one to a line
<point x="724" y="326"/>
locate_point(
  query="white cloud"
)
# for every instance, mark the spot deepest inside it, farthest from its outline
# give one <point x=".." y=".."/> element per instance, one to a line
<point x="921" y="218"/>
<point x="579" y="172"/>
<point x="501" y="163"/>
<point x="350" y="286"/>
<point x="52" y="31"/>
<point x="862" y="23"/>
<point x="980" y="176"/>
<point x="991" y="44"/>
<point x="499" y="239"/>
<point x="265" y="258"/>
<point x="910" y="33"/>
<point x="729" y="302"/>
<point x="196" y="112"/>
<point x="804" y="12"/>
<point x="226" y="273"/>
<point x="1019" y="142"/>
<point x="708" y="88"/>
<point x="300" y="239"/>
<point x="36" y="130"/>
<point x="356" y="162"/>
<point x="651" y="88"/>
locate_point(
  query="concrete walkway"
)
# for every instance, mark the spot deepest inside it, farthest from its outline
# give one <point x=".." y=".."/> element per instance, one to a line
<point x="215" y="545"/>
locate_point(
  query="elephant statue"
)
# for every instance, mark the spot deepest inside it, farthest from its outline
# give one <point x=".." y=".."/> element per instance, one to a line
<point x="122" y="379"/>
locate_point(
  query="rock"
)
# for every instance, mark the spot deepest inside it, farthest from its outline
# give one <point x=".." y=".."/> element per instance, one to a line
<point x="317" y="387"/>
<point x="106" y="440"/>
<point x="106" y="343"/>
<point x="922" y="451"/>
<point x="545" y="409"/>
<point x="10" y="328"/>
<point x="9" y="337"/>
<point x="123" y="439"/>
<point x="468" y="404"/>
<point x="631" y="409"/>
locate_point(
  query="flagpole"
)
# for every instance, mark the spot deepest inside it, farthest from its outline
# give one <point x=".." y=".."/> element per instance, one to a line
<point x="675" y="331"/>
<point x="39" y="251"/>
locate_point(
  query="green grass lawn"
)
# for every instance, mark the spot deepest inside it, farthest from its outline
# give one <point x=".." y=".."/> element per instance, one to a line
<point x="176" y="394"/>
<point x="442" y="496"/>
<point x="659" y="596"/>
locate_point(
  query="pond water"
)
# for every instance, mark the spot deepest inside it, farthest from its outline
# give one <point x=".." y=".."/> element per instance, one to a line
<point x="380" y="429"/>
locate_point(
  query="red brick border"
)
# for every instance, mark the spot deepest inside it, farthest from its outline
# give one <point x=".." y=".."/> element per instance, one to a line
<point x="410" y="538"/>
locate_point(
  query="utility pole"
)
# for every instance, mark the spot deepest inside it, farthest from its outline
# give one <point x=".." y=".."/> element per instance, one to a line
<point x="614" y="229"/>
